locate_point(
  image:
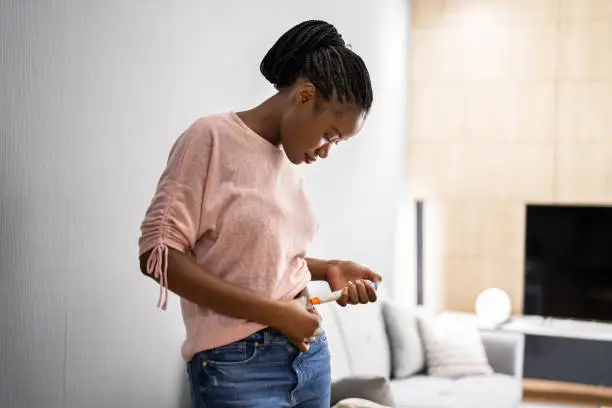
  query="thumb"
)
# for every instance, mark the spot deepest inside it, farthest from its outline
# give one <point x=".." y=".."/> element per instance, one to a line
<point x="376" y="278"/>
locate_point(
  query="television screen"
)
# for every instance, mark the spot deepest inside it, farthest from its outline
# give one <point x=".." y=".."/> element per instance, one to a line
<point x="568" y="262"/>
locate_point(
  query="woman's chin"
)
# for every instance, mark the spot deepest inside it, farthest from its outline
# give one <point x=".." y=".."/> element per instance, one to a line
<point x="295" y="160"/>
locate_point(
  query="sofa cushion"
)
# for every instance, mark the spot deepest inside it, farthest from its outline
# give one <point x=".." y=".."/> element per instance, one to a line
<point x="453" y="349"/>
<point x="340" y="365"/>
<point x="407" y="353"/>
<point x="363" y="336"/>
<point x="375" y="389"/>
<point x="359" y="403"/>
<point x="497" y="390"/>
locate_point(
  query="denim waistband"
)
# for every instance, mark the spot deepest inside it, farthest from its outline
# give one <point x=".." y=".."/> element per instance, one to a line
<point x="272" y="336"/>
<point x="268" y="336"/>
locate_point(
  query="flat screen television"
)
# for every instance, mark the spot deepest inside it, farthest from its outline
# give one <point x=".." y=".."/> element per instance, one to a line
<point x="568" y="262"/>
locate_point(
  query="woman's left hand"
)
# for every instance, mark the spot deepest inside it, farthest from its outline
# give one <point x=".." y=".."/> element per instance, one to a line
<point x="352" y="279"/>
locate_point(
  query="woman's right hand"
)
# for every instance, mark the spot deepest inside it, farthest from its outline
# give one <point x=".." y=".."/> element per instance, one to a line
<point x="298" y="320"/>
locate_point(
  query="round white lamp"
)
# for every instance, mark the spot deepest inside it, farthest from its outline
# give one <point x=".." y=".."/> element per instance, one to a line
<point x="493" y="307"/>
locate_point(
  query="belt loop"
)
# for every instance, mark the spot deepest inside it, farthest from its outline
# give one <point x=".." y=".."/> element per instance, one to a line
<point x="267" y="337"/>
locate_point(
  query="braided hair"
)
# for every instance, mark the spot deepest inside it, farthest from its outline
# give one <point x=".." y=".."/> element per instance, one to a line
<point x="315" y="51"/>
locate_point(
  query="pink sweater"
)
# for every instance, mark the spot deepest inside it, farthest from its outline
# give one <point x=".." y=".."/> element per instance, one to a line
<point x="234" y="202"/>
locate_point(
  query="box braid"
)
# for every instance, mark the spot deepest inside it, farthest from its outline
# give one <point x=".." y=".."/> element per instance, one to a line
<point x="315" y="51"/>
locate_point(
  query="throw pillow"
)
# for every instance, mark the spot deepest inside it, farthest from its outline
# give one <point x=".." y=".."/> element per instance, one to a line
<point x="453" y="349"/>
<point x="407" y="352"/>
<point x="375" y="389"/>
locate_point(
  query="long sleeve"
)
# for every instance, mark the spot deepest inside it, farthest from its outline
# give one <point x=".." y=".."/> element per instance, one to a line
<point x="173" y="217"/>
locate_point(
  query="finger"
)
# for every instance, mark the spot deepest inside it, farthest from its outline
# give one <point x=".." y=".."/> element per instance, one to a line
<point x="372" y="295"/>
<point x="353" y="295"/>
<point x="374" y="277"/>
<point x="300" y="344"/>
<point x="361" y="292"/>
<point x="343" y="300"/>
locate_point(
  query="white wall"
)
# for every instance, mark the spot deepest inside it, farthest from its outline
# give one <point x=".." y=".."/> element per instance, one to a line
<point x="93" y="94"/>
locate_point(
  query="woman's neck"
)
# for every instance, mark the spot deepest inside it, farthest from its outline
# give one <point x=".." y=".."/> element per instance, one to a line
<point x="265" y="119"/>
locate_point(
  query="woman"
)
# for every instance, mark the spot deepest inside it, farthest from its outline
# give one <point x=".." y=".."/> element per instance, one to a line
<point x="229" y="226"/>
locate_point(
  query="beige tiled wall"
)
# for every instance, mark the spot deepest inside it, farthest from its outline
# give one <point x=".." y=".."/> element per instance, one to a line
<point x="511" y="104"/>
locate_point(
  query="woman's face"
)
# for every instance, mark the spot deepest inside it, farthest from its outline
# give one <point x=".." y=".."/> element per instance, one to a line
<point x="310" y="127"/>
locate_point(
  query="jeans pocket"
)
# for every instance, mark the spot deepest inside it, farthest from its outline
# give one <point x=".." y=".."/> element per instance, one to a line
<point x="199" y="380"/>
<point x="238" y="354"/>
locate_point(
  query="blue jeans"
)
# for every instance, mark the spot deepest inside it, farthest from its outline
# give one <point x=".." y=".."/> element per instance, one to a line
<point x="263" y="370"/>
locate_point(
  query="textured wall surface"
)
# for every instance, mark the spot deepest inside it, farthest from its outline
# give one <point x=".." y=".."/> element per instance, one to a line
<point x="92" y="95"/>
<point x="514" y="98"/>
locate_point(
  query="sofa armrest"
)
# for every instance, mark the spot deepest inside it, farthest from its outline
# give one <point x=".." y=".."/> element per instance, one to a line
<point x="505" y="352"/>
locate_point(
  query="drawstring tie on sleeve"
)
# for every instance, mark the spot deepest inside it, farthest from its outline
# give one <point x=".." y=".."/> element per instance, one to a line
<point x="157" y="265"/>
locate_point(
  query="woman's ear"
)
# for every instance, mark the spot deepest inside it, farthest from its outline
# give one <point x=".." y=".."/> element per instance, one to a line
<point x="305" y="92"/>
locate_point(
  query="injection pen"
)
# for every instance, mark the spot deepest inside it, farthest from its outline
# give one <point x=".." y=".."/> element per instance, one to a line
<point x="334" y="296"/>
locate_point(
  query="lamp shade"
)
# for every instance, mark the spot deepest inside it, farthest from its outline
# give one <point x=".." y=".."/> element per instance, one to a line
<point x="493" y="306"/>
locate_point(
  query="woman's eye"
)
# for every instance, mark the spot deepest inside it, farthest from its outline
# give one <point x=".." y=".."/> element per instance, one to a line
<point x="331" y="140"/>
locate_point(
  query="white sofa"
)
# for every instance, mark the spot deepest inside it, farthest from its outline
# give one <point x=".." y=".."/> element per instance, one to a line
<point x="359" y="347"/>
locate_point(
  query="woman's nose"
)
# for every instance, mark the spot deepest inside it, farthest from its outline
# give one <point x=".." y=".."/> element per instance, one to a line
<point x="323" y="151"/>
